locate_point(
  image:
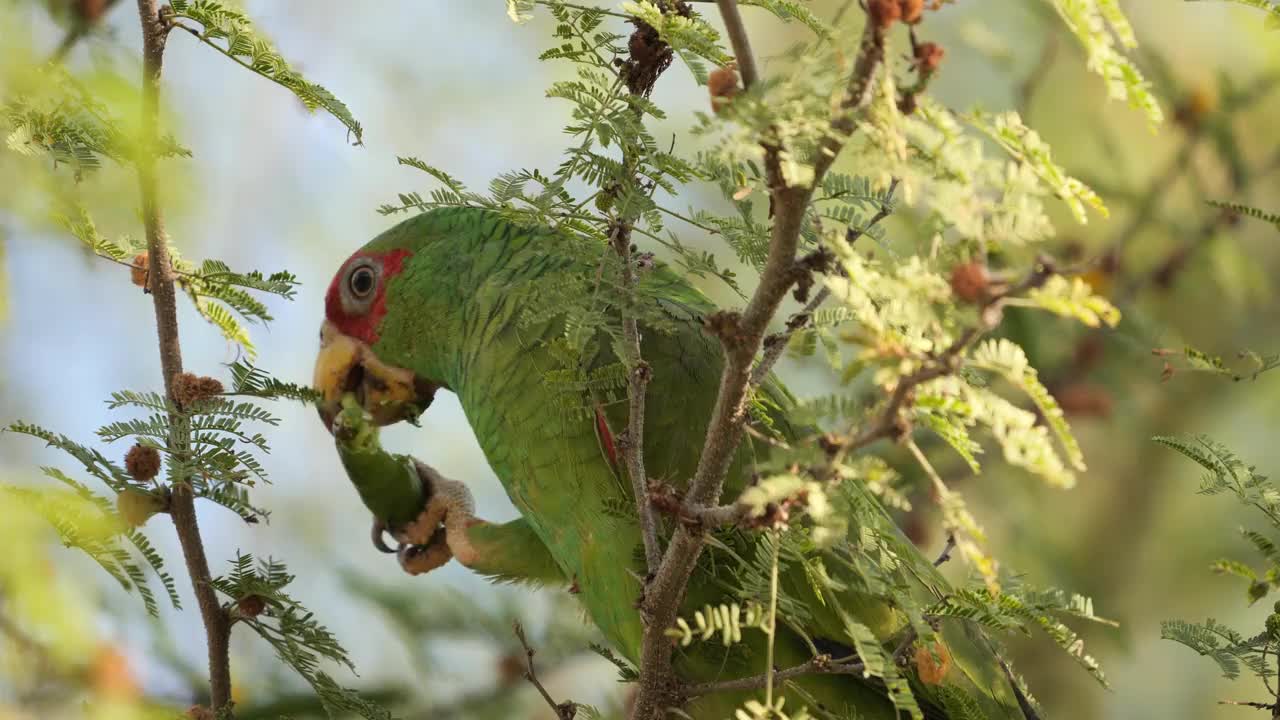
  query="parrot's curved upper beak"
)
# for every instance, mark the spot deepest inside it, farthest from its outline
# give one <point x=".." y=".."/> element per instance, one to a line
<point x="347" y="365"/>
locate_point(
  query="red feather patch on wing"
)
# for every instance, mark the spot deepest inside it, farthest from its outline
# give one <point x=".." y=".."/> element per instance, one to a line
<point x="606" y="438"/>
<point x="363" y="326"/>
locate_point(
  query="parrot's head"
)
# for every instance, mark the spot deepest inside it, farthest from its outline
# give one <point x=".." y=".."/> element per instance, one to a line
<point x="354" y="357"/>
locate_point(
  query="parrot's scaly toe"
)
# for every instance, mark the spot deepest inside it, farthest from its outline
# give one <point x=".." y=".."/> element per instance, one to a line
<point x="419" y="559"/>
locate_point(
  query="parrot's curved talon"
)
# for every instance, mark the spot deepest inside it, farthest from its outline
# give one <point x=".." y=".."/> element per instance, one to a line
<point x="379" y="529"/>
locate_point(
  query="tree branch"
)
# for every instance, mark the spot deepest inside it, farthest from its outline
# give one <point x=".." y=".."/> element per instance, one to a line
<point x="990" y="313"/>
<point x="945" y="555"/>
<point x="565" y="710"/>
<point x="741" y="337"/>
<point x="737" y="32"/>
<point x="820" y="665"/>
<point x="638" y="376"/>
<point x="776" y="344"/>
<point x="155" y="29"/>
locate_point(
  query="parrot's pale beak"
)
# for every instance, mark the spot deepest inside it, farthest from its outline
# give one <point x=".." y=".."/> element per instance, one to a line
<point x="347" y="365"/>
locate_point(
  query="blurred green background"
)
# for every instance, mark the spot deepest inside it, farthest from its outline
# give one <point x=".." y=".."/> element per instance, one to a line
<point x="455" y="83"/>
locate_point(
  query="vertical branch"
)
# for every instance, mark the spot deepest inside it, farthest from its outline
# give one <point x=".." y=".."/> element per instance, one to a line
<point x="164" y="295"/>
<point x="774" y="345"/>
<point x="741" y="336"/>
<point x="638" y="375"/>
<point x="737" y="32"/>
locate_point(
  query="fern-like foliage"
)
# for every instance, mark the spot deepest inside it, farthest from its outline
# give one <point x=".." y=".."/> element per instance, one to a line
<point x="223" y="297"/>
<point x="1028" y="149"/>
<point x="1226" y="647"/>
<point x="1074" y="298"/>
<point x="1253" y="212"/>
<point x="1272" y="10"/>
<point x="89" y="523"/>
<point x="231" y="32"/>
<point x="1233" y="651"/>
<point x="1024" y="608"/>
<point x="1248" y="364"/>
<point x="221" y="459"/>
<point x="1105" y="34"/>
<point x="252" y="381"/>
<point x="726" y="620"/>
<point x="57" y="115"/>
<point x="292" y="631"/>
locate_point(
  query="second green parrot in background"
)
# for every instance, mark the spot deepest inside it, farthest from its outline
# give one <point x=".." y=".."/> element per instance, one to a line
<point x="439" y="302"/>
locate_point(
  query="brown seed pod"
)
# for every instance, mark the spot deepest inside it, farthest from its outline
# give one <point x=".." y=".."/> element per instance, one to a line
<point x="933" y="663"/>
<point x="1084" y="400"/>
<point x="884" y="13"/>
<point x="912" y="11"/>
<point x="138" y="273"/>
<point x="969" y="281"/>
<point x="251" y="605"/>
<point x="90" y="11"/>
<point x="142" y="462"/>
<point x="928" y="57"/>
<point x="189" y="389"/>
<point x="722" y="83"/>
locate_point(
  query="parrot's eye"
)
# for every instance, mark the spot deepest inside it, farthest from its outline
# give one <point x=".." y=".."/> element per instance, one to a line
<point x="360" y="285"/>
<point x="361" y="282"/>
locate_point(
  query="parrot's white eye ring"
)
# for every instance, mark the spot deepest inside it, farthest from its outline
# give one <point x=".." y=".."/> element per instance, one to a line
<point x="362" y="281"/>
<point x="360" y="285"/>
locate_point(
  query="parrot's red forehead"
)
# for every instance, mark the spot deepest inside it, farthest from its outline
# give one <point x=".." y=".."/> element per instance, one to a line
<point x="362" y="324"/>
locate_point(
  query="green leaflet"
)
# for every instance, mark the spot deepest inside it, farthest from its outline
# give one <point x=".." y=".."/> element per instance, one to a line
<point x="292" y="631"/>
<point x="1100" y="25"/>
<point x="243" y="45"/>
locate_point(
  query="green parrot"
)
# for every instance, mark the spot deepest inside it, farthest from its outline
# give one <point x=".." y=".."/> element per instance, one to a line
<point x="438" y="302"/>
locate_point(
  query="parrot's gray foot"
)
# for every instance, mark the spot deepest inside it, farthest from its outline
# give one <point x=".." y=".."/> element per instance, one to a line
<point x="439" y="532"/>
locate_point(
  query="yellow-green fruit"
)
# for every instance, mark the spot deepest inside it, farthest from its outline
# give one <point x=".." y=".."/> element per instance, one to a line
<point x="137" y="506"/>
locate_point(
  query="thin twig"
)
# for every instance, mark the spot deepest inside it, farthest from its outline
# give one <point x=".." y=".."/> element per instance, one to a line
<point x="1027" y="89"/>
<point x="1256" y="705"/>
<point x="820" y="665"/>
<point x="945" y="363"/>
<point x="638" y="376"/>
<point x="565" y="710"/>
<point x="945" y="555"/>
<point x="908" y="641"/>
<point x="737" y="32"/>
<point x="217" y="626"/>
<point x="639" y="373"/>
